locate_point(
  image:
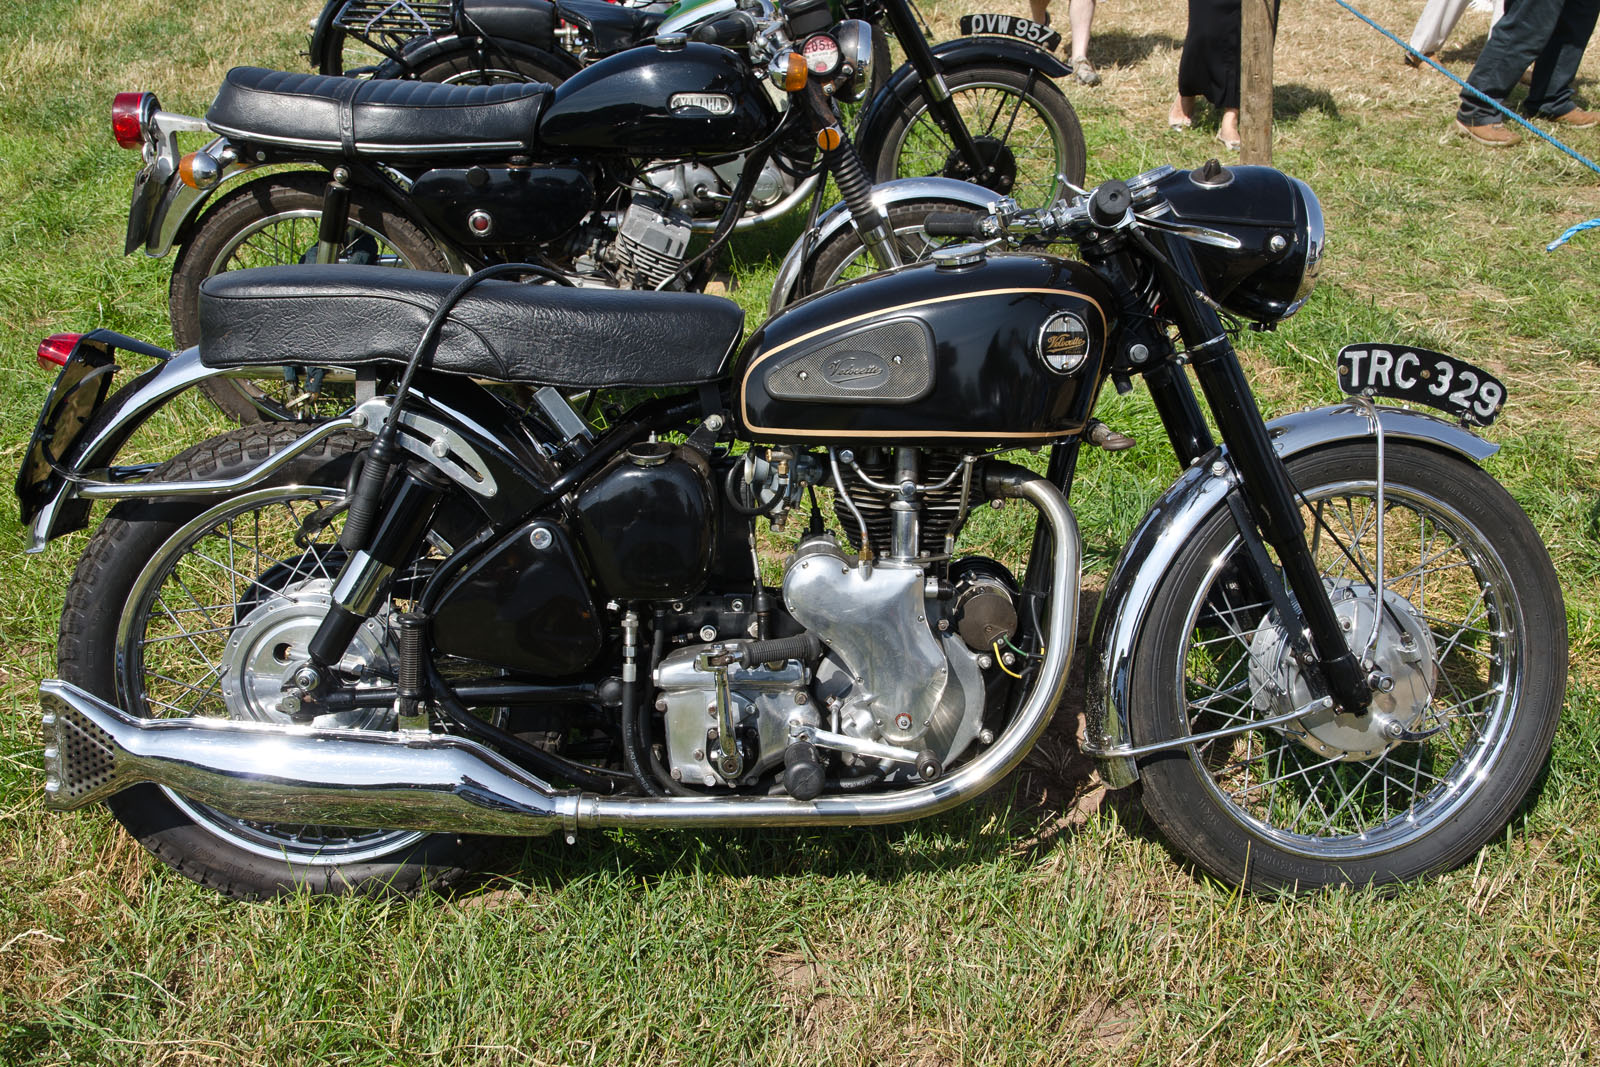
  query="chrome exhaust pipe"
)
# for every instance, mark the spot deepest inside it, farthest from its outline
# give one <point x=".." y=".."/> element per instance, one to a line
<point x="436" y="783"/>
<point x="292" y="774"/>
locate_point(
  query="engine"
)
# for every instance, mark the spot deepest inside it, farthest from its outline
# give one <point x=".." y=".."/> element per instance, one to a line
<point x="906" y="653"/>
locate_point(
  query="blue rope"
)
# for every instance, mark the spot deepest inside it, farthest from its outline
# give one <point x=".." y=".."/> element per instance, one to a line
<point x="1498" y="106"/>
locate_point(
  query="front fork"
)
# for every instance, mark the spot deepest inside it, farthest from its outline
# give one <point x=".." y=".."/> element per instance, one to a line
<point x="940" y="103"/>
<point x="1274" y="506"/>
<point x="855" y="185"/>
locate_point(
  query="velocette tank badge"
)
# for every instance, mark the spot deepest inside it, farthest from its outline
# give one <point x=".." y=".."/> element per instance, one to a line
<point x="1063" y="342"/>
<point x="716" y="103"/>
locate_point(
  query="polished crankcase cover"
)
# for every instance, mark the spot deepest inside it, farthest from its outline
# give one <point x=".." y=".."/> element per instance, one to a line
<point x="647" y="523"/>
<point x="874" y="618"/>
<point x="700" y="100"/>
<point x="1007" y="349"/>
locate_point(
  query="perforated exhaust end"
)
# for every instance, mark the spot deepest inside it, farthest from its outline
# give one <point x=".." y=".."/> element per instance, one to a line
<point x="80" y="758"/>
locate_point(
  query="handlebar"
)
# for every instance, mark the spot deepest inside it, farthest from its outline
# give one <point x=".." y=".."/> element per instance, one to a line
<point x="734" y="31"/>
<point x="949" y="224"/>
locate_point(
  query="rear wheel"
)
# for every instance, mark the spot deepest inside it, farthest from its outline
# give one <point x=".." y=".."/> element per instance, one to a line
<point x="181" y="610"/>
<point x="1469" y="653"/>
<point x="1022" y="123"/>
<point x="271" y="222"/>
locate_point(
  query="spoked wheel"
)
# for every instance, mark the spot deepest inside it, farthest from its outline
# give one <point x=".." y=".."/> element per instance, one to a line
<point x="844" y="258"/>
<point x="204" y="611"/>
<point x="1467" y="654"/>
<point x="1023" y="125"/>
<point x="271" y="222"/>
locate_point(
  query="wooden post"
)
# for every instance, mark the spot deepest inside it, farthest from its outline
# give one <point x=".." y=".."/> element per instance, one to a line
<point x="1256" y="24"/>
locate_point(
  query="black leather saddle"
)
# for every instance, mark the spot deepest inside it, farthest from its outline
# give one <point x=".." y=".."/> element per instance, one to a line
<point x="353" y="117"/>
<point x="348" y="316"/>
<point x="611" y="27"/>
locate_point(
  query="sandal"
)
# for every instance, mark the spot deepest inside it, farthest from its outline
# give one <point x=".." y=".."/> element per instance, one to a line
<point x="1232" y="146"/>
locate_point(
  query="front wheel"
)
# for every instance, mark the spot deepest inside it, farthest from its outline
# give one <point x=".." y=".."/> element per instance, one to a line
<point x="1468" y="653"/>
<point x="844" y="257"/>
<point x="1022" y="123"/>
<point x="273" y="221"/>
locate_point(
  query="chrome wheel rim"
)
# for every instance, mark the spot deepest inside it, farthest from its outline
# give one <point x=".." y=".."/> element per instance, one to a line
<point x="1302" y="797"/>
<point x="992" y="110"/>
<point x="233" y="564"/>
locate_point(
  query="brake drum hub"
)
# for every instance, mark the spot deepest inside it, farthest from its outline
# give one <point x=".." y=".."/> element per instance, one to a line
<point x="1402" y="668"/>
<point x="270" y="642"/>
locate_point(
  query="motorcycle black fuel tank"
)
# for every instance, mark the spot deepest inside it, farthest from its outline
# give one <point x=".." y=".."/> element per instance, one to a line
<point x="1005" y="349"/>
<point x="696" y="100"/>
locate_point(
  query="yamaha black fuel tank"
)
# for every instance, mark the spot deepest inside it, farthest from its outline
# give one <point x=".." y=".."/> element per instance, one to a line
<point x="695" y="100"/>
<point x="999" y="348"/>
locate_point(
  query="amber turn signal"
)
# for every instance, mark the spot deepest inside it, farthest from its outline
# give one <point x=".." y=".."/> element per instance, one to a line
<point x="794" y="79"/>
<point x="198" y="170"/>
<point x="829" y="138"/>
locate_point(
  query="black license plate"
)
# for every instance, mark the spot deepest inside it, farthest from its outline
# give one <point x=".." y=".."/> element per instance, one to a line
<point x="142" y="208"/>
<point x="1432" y="379"/>
<point x="1012" y="26"/>
<point x="77" y="394"/>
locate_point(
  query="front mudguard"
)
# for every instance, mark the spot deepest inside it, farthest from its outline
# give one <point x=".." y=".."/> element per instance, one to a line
<point x="887" y="195"/>
<point x="904" y="86"/>
<point x="1175" y="520"/>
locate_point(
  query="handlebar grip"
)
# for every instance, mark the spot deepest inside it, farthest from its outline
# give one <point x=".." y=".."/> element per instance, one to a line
<point x="953" y="224"/>
<point x="733" y="32"/>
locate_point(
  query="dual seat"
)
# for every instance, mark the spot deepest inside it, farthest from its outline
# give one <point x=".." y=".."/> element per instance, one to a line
<point x="571" y="338"/>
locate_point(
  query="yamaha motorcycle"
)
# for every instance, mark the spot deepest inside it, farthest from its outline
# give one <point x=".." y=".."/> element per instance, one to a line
<point x="951" y="109"/>
<point x="340" y="655"/>
<point x="608" y="177"/>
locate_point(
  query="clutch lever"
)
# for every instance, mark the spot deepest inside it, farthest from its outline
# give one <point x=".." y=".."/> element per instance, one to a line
<point x="1198" y="234"/>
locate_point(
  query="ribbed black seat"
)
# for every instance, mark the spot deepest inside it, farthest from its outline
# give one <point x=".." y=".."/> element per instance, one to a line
<point x="349" y="315"/>
<point x="612" y="27"/>
<point x="377" y="117"/>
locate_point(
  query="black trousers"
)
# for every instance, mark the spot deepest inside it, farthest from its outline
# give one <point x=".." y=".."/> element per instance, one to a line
<point x="1551" y="35"/>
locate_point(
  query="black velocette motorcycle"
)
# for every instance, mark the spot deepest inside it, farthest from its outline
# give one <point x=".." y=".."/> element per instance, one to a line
<point x="610" y="177"/>
<point x="1334" y="651"/>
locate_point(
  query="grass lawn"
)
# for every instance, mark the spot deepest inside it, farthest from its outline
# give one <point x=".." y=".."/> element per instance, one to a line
<point x="1047" y="925"/>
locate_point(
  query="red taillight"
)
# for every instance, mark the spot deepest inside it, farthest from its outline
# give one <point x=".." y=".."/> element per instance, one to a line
<point x="127" y="118"/>
<point x="55" y="349"/>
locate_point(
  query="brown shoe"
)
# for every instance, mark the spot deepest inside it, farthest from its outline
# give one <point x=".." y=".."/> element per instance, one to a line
<point x="1493" y="134"/>
<point x="1577" y="119"/>
<point x="1415" y="61"/>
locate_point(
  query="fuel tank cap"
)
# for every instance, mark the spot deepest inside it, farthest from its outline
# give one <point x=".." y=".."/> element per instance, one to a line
<point x="671" y="42"/>
<point x="964" y="255"/>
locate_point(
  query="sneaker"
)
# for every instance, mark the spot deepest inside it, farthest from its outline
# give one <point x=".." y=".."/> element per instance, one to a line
<point x="1084" y="71"/>
<point x="1493" y="134"/>
<point x="1576" y="119"/>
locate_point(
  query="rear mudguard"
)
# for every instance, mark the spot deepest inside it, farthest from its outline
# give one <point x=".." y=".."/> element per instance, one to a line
<point x="91" y="472"/>
<point x="1170" y="525"/>
<point x="887" y="195"/>
<point x="905" y="84"/>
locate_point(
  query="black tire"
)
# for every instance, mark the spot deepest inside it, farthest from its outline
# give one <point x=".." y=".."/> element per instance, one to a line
<point x="362" y="55"/>
<point x="844" y="258"/>
<point x="1023" y="117"/>
<point x="240" y="859"/>
<point x="1333" y="800"/>
<point x="467" y="68"/>
<point x="273" y="221"/>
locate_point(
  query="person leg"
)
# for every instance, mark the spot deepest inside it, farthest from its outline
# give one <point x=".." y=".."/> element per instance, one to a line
<point x="1517" y="40"/>
<point x="1041" y="11"/>
<point x="1550" y="93"/>
<point x="1080" y="13"/>
<point x="1435" y="24"/>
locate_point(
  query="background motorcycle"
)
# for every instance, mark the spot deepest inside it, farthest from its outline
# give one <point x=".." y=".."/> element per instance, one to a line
<point x="1334" y="650"/>
<point x="951" y="109"/>
<point x="609" y="177"/>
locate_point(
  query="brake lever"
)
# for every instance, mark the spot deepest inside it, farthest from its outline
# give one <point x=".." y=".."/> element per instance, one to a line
<point x="1198" y="234"/>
